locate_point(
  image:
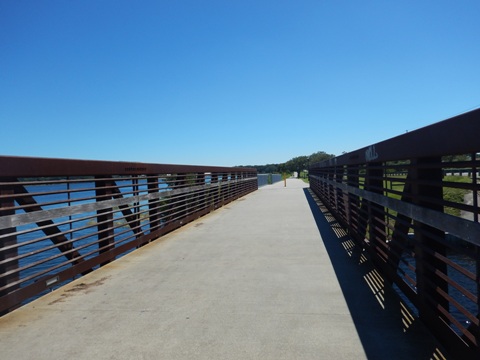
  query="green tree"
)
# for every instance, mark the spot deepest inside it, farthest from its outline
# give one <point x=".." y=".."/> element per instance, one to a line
<point x="297" y="164"/>
<point x="318" y="156"/>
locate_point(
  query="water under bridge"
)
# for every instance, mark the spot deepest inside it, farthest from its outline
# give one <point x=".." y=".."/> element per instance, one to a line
<point x="371" y="259"/>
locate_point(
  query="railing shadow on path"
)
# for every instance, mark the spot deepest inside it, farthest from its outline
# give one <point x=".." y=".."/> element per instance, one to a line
<point x="385" y="325"/>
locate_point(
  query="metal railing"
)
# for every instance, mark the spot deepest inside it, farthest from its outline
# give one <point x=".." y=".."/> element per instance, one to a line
<point x="418" y="225"/>
<point x="60" y="219"/>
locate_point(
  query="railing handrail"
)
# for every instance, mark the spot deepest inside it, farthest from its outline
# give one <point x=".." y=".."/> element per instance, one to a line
<point x="457" y="135"/>
<point x="397" y="204"/>
<point x="62" y="218"/>
<point x="21" y="166"/>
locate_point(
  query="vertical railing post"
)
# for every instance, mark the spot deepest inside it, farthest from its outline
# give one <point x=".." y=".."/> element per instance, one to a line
<point x="331" y="188"/>
<point x="105" y="224"/>
<point x="427" y="184"/>
<point x="364" y="207"/>
<point x="244" y="187"/>
<point x="374" y="184"/>
<point x="8" y="261"/>
<point x="353" y="201"/>
<point x="224" y="189"/>
<point x="220" y="189"/>
<point x="477" y="249"/>
<point x="136" y="205"/>
<point x="181" y="182"/>
<point x="200" y="181"/>
<point x="475" y="191"/>
<point x="339" y="200"/>
<point x="153" y="204"/>
<point x="399" y="242"/>
<point x="254" y="184"/>
<point x="229" y="184"/>
<point x="326" y="187"/>
<point x="214" y="191"/>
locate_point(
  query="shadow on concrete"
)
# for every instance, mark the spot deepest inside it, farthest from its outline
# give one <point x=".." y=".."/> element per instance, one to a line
<point x="386" y="327"/>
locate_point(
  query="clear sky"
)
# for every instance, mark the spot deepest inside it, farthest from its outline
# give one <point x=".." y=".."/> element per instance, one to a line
<point x="229" y="82"/>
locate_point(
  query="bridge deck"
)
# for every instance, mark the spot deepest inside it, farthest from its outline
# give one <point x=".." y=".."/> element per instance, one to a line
<point x="263" y="278"/>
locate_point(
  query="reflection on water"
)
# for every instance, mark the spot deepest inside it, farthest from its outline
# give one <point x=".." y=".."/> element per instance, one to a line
<point x="41" y="258"/>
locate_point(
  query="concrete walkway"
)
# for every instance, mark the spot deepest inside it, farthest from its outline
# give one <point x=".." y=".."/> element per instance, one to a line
<point x="253" y="280"/>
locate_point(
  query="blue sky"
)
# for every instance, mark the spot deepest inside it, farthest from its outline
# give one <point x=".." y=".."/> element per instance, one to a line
<point x="229" y="82"/>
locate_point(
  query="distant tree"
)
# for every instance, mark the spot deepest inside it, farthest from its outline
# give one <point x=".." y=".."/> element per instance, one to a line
<point x="265" y="169"/>
<point x="297" y="164"/>
<point x="282" y="168"/>
<point x="270" y="169"/>
<point x="318" y="157"/>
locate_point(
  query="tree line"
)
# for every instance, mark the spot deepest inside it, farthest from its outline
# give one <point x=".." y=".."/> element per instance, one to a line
<point x="296" y="164"/>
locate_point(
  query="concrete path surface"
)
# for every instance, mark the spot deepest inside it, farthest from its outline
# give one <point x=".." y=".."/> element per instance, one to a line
<point x="253" y="280"/>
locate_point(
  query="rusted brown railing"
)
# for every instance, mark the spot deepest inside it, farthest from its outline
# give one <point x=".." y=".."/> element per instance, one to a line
<point x="418" y="225"/>
<point x="60" y="219"/>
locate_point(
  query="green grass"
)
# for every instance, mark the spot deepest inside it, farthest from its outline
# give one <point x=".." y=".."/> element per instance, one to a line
<point x="454" y="194"/>
<point x="449" y="194"/>
<point x="304" y="176"/>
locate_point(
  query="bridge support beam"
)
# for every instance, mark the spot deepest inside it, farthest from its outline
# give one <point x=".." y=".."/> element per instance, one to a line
<point x="8" y="261"/>
<point x="427" y="184"/>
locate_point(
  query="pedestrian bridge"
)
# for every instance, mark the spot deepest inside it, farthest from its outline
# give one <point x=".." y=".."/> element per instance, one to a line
<point x="268" y="276"/>
<point x="377" y="257"/>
